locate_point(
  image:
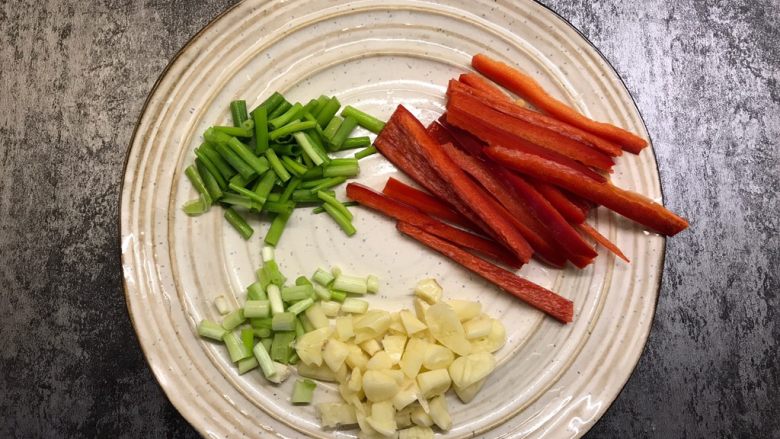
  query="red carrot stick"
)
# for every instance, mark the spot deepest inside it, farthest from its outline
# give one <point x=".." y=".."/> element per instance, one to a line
<point x="475" y="81"/>
<point x="539" y="119"/>
<point x="572" y="212"/>
<point x="540" y="298"/>
<point x="468" y="192"/>
<point x="629" y="204"/>
<point x="476" y="125"/>
<point x="587" y="229"/>
<point x="374" y="200"/>
<point x="525" y="86"/>
<point x="420" y="200"/>
<point x="521" y="129"/>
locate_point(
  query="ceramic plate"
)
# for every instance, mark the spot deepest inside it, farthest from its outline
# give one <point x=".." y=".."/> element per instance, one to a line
<point x="552" y="380"/>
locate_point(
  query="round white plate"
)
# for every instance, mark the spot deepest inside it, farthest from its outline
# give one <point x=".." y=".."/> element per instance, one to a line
<point x="552" y="380"/>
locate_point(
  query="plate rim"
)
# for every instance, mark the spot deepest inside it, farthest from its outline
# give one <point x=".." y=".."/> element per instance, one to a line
<point x="192" y="39"/>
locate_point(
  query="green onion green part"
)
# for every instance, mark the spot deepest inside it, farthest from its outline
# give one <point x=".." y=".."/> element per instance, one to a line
<point x="235" y="347"/>
<point x="276" y="165"/>
<point x="256" y="291"/>
<point x="238" y="222"/>
<point x="238" y="113"/>
<point x="300" y="306"/>
<point x="277" y="227"/>
<point x="257" y="308"/>
<point x="365" y="152"/>
<point x="209" y="329"/>
<point x="355" y="142"/>
<point x="303" y="391"/>
<point x="326" y="113"/>
<point x="331" y="200"/>
<point x="296" y="293"/>
<point x="266" y="364"/>
<point x="332" y="127"/>
<point x="233" y="320"/>
<point x="260" y="117"/>
<point x="284" y="321"/>
<point x="347" y="126"/>
<point x="363" y="119"/>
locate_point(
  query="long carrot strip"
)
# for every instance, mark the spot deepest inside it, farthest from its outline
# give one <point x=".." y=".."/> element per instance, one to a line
<point x="531" y="133"/>
<point x="629" y="204"/>
<point x="420" y="200"/>
<point x="475" y="124"/>
<point x="475" y="81"/>
<point x="587" y="229"/>
<point x="572" y="212"/>
<point x="374" y="200"/>
<point x="525" y="86"/>
<point x="542" y="120"/>
<point x="540" y="298"/>
<point x="467" y="190"/>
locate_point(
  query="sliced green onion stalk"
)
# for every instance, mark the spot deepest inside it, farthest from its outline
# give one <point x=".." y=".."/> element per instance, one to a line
<point x="321" y="292"/>
<point x="222" y="305"/>
<point x="340" y="219"/>
<point x="350" y="284"/>
<point x="235" y="347"/>
<point x="284" y="321"/>
<point x="292" y="185"/>
<point x="336" y="270"/>
<point x="306" y="323"/>
<point x="256" y="199"/>
<point x="278" y="208"/>
<point x="279" y="110"/>
<point x="256" y="291"/>
<point x="372" y="284"/>
<point x="338" y="296"/>
<point x="299" y="331"/>
<point x="312" y="106"/>
<point x="326" y="113"/>
<point x="303" y="391"/>
<point x="293" y="358"/>
<point x="275" y="298"/>
<point x="238" y="112"/>
<point x="327" y="183"/>
<point x="291" y="149"/>
<point x="262" y="323"/>
<point x="300" y="306"/>
<point x="291" y="128"/>
<point x="249" y="124"/>
<point x="365" y="152"/>
<point x="293" y="113"/>
<point x="266" y="364"/>
<point x="234" y="131"/>
<point x="257" y="308"/>
<point x="205" y="160"/>
<point x="270" y="103"/>
<point x="332" y="127"/>
<point x="264" y="186"/>
<point x="208" y="151"/>
<point x="277" y="227"/>
<point x="195" y="207"/>
<point x="345" y="129"/>
<point x="331" y="200"/>
<point x="308" y="148"/>
<point x="302" y="280"/>
<point x="266" y="342"/>
<point x="258" y="164"/>
<point x="262" y="332"/>
<point x="238" y="222"/>
<point x="209" y="329"/>
<point x="260" y="117"/>
<point x="322" y="277"/>
<point x="354" y="306"/>
<point x="276" y="165"/>
<point x="281" y="347"/>
<point x="232" y="320"/>
<point x="312" y="174"/>
<point x="341" y="170"/>
<point x="320" y="209"/>
<point x="276" y="276"/>
<point x="293" y="167"/>
<point x="212" y="186"/>
<point x="264" y="280"/>
<point x="235" y="161"/>
<point x="296" y="293"/>
<point x="247" y="364"/>
<point x="248" y="338"/>
<point x="355" y="142"/>
<point x="269" y="253"/>
<point x="363" y="119"/>
<point x="192" y="173"/>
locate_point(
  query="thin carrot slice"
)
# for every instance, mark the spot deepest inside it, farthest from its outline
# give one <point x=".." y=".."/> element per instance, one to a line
<point x="474" y="124"/>
<point x="521" y="129"/>
<point x="420" y="200"/>
<point x="629" y="204"/>
<point x="539" y="119"/>
<point x="572" y="212"/>
<point x="540" y="298"/>
<point x="525" y="86"/>
<point x="374" y="200"/>
<point x="587" y="229"/>
<point x="475" y="81"/>
<point x="468" y="192"/>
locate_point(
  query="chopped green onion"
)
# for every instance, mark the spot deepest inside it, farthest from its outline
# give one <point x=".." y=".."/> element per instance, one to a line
<point x="195" y="207"/>
<point x="293" y="358"/>
<point x="284" y="321"/>
<point x="321" y="209"/>
<point x="207" y="150"/>
<point x="215" y="170"/>
<point x="212" y="186"/>
<point x="249" y="124"/>
<point x="262" y="332"/>
<point x="257" y="308"/>
<point x="303" y="391"/>
<point x="291" y="128"/>
<point x="332" y="127"/>
<point x="354" y="306"/>
<point x="343" y="161"/>
<point x="268" y="253"/>
<point x="248" y="338"/>
<point x="305" y="196"/>
<point x="345" y="129"/>
<point x="274" y="196"/>
<point x="321" y="292"/>
<point x="235" y="161"/>
<point x="234" y="131"/>
<point x="287" y="148"/>
<point x="336" y="270"/>
<point x="336" y="204"/>
<point x="341" y="171"/>
<point x="326" y="113"/>
<point x="266" y="342"/>
<point x="296" y="293"/>
<point x="327" y="183"/>
<point x="222" y="305"/>
<point x="258" y="164"/>
<point x="305" y="142"/>
<point x="209" y="329"/>
<point x="247" y="364"/>
<point x="256" y="199"/>
<point x="340" y="219"/>
<point x="270" y="103"/>
<point x="281" y="347"/>
<point x="302" y="280"/>
<point x="260" y="117"/>
<point x="266" y="364"/>
<point x="276" y="276"/>
<point x="312" y="174"/>
<point x="192" y="174"/>
<point x="276" y="165"/>
<point x="363" y="119"/>
<point x="322" y="277"/>
<point x="235" y="347"/>
<point x="294" y="167"/>
<point x="232" y="199"/>
<point x="292" y="185"/>
<point x="350" y="284"/>
<point x="338" y="296"/>
<point x="232" y="320"/>
<point x="300" y="306"/>
<point x="238" y="113"/>
<point x="278" y="208"/>
<point x="277" y="227"/>
<point x="238" y="222"/>
<point x="256" y="291"/>
<point x="355" y="142"/>
<point x="365" y="152"/>
<point x="240" y="181"/>
<point x="299" y="331"/>
<point x="306" y="323"/>
<point x="372" y="283"/>
<point x="279" y="110"/>
<point x="264" y="280"/>
<point x="275" y="297"/>
<point x="263" y="323"/>
<point x="292" y="114"/>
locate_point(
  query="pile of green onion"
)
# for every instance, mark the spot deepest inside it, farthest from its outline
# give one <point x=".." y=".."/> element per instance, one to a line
<point x="262" y="333"/>
<point x="276" y="158"/>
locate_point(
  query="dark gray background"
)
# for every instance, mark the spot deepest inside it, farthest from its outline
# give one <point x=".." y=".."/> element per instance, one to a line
<point x="73" y="78"/>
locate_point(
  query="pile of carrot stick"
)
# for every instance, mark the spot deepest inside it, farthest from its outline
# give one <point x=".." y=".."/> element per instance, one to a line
<point x="503" y="182"/>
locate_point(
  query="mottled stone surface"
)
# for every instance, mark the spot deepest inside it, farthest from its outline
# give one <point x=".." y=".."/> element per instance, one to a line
<point x="74" y="77"/>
